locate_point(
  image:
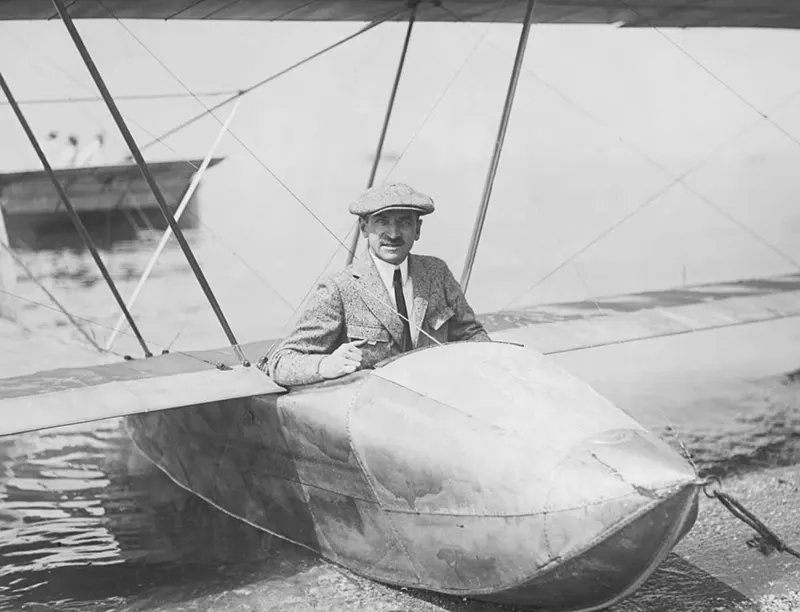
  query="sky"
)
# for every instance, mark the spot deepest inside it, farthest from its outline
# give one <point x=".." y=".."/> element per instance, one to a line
<point x="635" y="159"/>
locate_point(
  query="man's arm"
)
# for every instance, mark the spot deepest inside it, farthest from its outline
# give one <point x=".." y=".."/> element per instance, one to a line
<point x="463" y="326"/>
<point x="316" y="334"/>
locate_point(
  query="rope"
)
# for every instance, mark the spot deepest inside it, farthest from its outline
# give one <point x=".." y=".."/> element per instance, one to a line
<point x="765" y="540"/>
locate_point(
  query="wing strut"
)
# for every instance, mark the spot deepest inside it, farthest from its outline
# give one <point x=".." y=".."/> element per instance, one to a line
<point x="137" y="154"/>
<point x="187" y="196"/>
<point x="76" y="220"/>
<point x="379" y="151"/>
<point x="498" y="146"/>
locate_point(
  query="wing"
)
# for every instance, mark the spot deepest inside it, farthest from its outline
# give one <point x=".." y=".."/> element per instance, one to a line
<point x="560" y="328"/>
<point x="79" y="395"/>
<point x="675" y="13"/>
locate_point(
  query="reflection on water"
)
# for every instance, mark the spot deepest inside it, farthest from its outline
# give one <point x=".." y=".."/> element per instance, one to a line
<point x="85" y="518"/>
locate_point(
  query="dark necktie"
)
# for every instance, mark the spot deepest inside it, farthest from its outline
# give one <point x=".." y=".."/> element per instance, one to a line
<point x="400" y="300"/>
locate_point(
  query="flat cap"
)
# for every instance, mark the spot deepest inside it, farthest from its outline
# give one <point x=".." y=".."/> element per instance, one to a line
<point x="391" y="195"/>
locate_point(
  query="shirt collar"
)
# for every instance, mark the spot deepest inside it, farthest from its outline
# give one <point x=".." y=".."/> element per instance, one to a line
<point x="386" y="270"/>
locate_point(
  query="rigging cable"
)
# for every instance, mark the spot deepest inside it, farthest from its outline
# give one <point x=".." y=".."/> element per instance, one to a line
<point x="76" y="220"/>
<point x="766" y="540"/>
<point x="449" y="85"/>
<point x="405" y="150"/>
<point x="674" y="181"/>
<point x="77" y="81"/>
<point x="140" y="162"/>
<point x="102" y="326"/>
<point x="127" y="98"/>
<point x="249" y="89"/>
<point x="143" y="217"/>
<point x="47" y="292"/>
<point x="387" y="118"/>
<point x="654" y="163"/>
<point x="711" y="73"/>
<point x="178" y="212"/>
<point x="236" y="137"/>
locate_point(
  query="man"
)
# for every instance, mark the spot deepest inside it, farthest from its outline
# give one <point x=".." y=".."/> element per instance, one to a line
<point x="67" y="157"/>
<point x="90" y="155"/>
<point x="384" y="304"/>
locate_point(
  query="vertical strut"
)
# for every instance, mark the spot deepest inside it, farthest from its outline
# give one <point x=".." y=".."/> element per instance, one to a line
<point x="166" y="236"/>
<point x="379" y="151"/>
<point x="498" y="147"/>
<point x="85" y="237"/>
<point x="137" y="155"/>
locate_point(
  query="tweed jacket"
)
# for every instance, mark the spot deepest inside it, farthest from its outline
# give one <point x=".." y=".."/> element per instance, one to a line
<point x="353" y="304"/>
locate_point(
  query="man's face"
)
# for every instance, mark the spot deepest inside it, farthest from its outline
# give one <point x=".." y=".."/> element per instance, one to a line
<point x="391" y="233"/>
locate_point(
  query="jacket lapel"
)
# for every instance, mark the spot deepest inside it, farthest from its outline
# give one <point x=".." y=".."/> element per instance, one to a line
<point x="374" y="295"/>
<point x="422" y="290"/>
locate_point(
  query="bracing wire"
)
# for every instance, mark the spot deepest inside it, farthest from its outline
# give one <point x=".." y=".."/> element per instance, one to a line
<point x="99" y="325"/>
<point x="713" y="75"/>
<point x="408" y="145"/>
<point x="125" y="98"/>
<point x="235" y="136"/>
<point x="49" y="294"/>
<point x="93" y="119"/>
<point x="251" y="88"/>
<point x="447" y="88"/>
<point x="680" y="179"/>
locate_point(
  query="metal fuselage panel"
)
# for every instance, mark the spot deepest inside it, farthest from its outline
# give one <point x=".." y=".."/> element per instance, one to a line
<point x="432" y="485"/>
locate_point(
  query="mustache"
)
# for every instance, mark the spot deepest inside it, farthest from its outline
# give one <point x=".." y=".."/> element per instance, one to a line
<point x="393" y="243"/>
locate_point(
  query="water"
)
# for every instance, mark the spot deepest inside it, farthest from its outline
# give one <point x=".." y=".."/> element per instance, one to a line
<point x="87" y="524"/>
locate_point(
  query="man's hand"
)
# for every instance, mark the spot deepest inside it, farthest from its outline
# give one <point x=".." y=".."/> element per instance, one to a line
<point x="344" y="360"/>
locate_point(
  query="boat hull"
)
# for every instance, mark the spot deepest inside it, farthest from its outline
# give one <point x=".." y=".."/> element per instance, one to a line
<point x="449" y="493"/>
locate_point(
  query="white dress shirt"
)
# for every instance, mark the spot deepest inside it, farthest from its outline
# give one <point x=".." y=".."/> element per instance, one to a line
<point x="386" y="270"/>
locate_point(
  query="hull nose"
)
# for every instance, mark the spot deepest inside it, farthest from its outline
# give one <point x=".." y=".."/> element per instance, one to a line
<point x="614" y="567"/>
<point x="505" y="478"/>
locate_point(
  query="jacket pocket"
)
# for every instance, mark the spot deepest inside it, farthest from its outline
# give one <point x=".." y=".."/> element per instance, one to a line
<point x="441" y="317"/>
<point x="372" y="335"/>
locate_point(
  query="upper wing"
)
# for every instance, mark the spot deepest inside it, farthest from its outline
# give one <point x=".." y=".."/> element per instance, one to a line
<point x="636" y="13"/>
